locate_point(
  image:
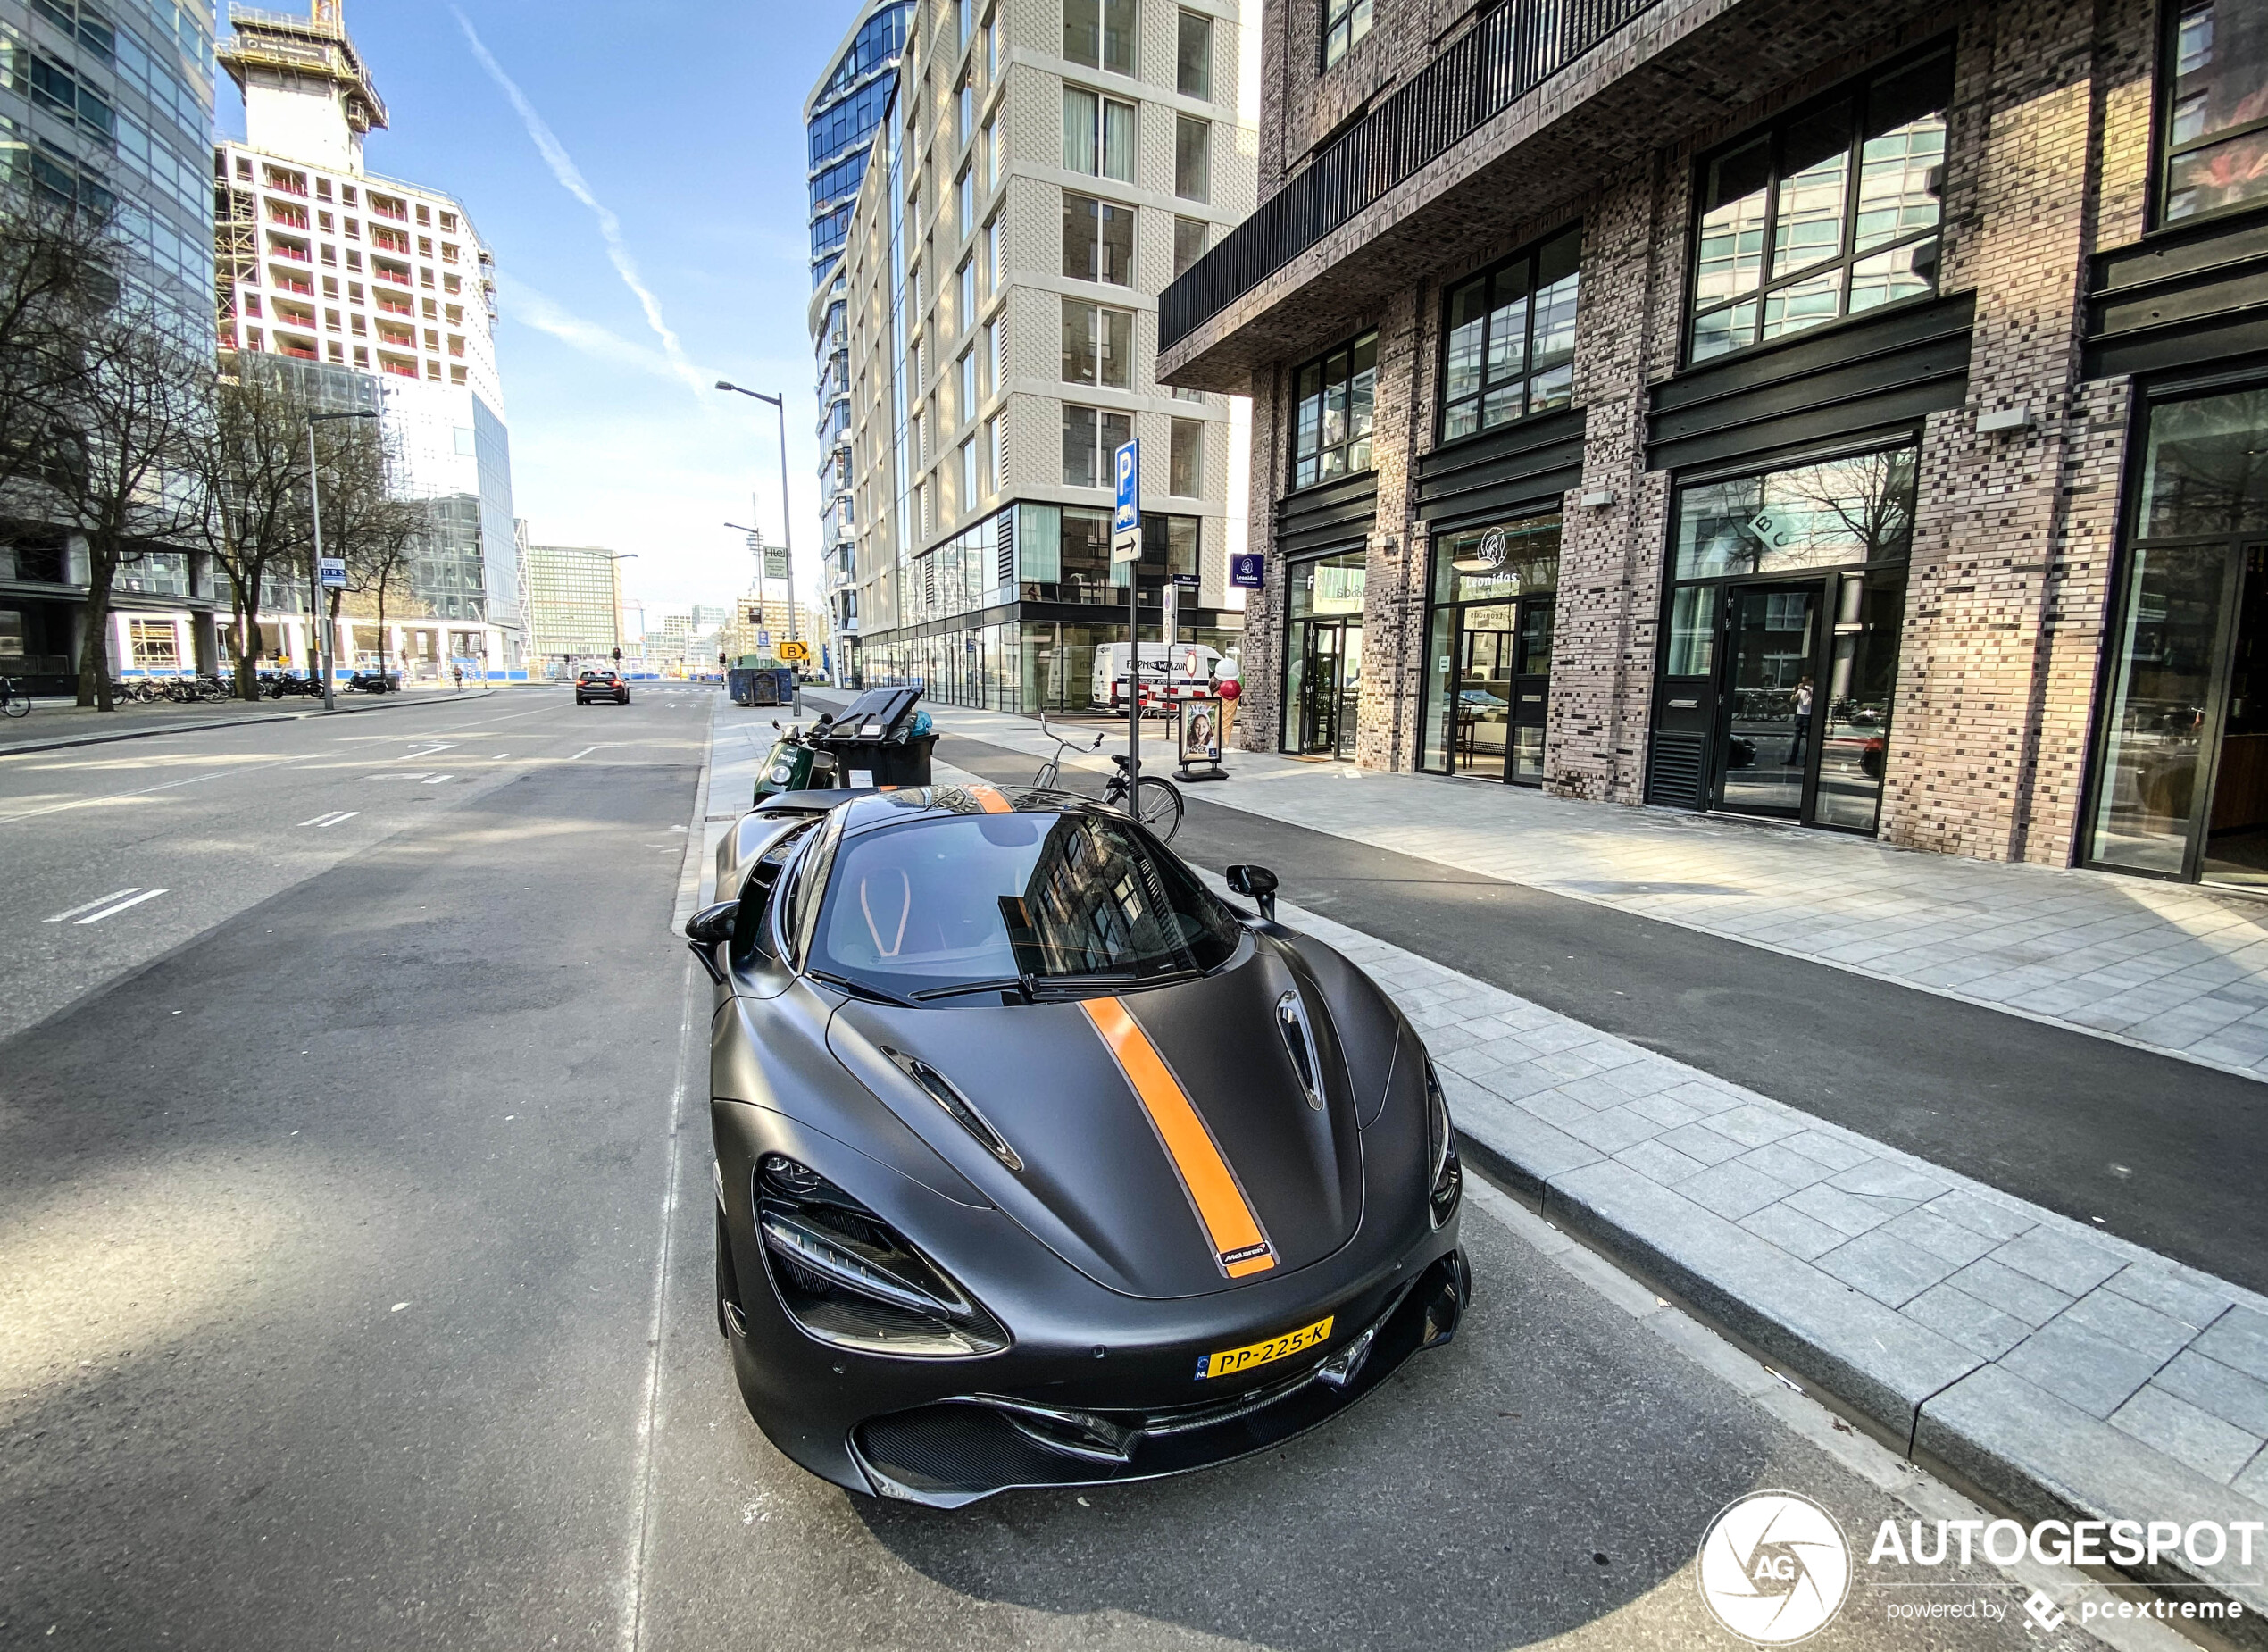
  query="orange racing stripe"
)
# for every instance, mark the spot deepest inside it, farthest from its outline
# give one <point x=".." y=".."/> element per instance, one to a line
<point x="1239" y="1245"/>
<point x="989" y="800"/>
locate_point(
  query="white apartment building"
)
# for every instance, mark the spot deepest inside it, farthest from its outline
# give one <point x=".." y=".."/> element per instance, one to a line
<point x="320" y="261"/>
<point x="1046" y="169"/>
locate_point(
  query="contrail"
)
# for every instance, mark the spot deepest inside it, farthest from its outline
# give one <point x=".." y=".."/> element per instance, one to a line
<point x="564" y="168"/>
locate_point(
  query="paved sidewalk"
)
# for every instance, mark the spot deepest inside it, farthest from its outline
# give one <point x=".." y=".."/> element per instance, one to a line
<point x="2064" y="1371"/>
<point x="2168" y="967"/>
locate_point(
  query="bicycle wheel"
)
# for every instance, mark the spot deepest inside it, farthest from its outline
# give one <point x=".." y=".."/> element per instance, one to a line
<point x="14" y="702"/>
<point x="1157" y="805"/>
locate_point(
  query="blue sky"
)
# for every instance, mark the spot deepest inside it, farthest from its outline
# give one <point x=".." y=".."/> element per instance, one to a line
<point x="685" y="122"/>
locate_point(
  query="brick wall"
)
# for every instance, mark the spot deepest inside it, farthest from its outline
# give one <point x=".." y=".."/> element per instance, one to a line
<point x="2049" y="146"/>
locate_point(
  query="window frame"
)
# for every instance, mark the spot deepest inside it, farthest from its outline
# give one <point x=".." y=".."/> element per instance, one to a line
<point x="1103" y="101"/>
<point x="1098" y="262"/>
<point x="1531" y="255"/>
<point x="1104" y="448"/>
<point x="1772" y="131"/>
<point x="1347" y="348"/>
<point x="1339" y="17"/>
<point x="2162" y="148"/>
<point x="1183" y="20"/>
<point x="1183" y="125"/>
<point x="1098" y="333"/>
<point x="1102" y="59"/>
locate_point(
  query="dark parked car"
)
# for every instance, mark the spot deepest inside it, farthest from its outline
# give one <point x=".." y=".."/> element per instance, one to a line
<point x="1039" y="1164"/>
<point x="602" y="686"/>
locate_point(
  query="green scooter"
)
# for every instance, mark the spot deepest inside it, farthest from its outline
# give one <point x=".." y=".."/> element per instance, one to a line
<point x="795" y="765"/>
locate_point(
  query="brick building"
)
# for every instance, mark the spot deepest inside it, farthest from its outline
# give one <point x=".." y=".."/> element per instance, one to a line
<point x="1852" y="416"/>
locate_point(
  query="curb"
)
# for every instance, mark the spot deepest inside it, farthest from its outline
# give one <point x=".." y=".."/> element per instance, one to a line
<point x="385" y="703"/>
<point x="1980" y="1428"/>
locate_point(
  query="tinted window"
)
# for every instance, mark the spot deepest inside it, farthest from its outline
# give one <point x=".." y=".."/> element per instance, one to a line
<point x="941" y="904"/>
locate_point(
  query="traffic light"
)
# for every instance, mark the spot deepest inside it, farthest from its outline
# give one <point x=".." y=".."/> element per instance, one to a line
<point x="719" y="656"/>
<point x="618" y="657"/>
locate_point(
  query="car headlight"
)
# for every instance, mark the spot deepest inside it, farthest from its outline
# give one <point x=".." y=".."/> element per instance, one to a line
<point x="846" y="1278"/>
<point x="1445" y="1179"/>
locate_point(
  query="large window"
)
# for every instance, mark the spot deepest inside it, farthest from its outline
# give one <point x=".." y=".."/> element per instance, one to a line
<point x="1098" y="345"/>
<point x="1098" y="135"/>
<point x="1489" y="678"/>
<point x="1512" y="339"/>
<point x="1192" y="158"/>
<point x="2216" y="110"/>
<point x="1192" y="56"/>
<point x="1830" y="210"/>
<point x="1331" y="416"/>
<point x="1185" y="467"/>
<point x="1098" y="240"/>
<point x="1188" y="244"/>
<point x="1091" y="435"/>
<point x="1100" y="34"/>
<point x="1345" y="22"/>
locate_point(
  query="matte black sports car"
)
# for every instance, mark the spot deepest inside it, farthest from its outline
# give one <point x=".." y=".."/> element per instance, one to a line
<point x="1039" y="1164"/>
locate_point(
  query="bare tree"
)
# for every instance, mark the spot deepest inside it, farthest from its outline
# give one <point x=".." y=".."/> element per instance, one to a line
<point x="376" y="534"/>
<point x="54" y="285"/>
<point x="1868" y="498"/>
<point x="122" y="472"/>
<point x="252" y="461"/>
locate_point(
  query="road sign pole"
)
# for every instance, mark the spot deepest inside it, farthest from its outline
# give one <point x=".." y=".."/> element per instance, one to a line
<point x="1126" y="547"/>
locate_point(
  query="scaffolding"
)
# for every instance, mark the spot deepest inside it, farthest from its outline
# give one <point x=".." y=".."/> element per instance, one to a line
<point x="313" y="48"/>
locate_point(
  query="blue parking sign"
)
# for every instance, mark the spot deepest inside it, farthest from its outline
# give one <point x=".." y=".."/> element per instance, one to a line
<point x="1129" y="471"/>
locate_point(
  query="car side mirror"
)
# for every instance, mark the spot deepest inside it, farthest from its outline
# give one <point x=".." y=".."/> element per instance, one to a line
<point x="1259" y="883"/>
<point x="708" y="927"/>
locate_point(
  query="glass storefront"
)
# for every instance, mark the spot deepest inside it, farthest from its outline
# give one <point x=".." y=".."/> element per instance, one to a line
<point x="1778" y="655"/>
<point x="1489" y="650"/>
<point x="1021" y="665"/>
<point x="2181" y="781"/>
<point x="1323" y="654"/>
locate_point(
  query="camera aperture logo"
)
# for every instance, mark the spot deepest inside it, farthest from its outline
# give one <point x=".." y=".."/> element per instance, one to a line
<point x="1775" y="1568"/>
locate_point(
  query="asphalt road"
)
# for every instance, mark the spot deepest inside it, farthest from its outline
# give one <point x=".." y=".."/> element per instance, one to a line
<point x="355" y="1281"/>
<point x="2162" y="1152"/>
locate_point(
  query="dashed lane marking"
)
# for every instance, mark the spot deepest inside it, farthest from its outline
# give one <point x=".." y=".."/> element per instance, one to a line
<point x="336" y="817"/>
<point x="112" y="911"/>
<point x="435" y="779"/>
<point x="100" y="900"/>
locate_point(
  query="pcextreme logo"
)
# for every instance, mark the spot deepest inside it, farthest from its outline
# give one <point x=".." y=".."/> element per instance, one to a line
<point x="1775" y="1568"/>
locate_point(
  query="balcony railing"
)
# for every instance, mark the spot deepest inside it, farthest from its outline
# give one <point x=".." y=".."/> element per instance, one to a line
<point x="1512" y="49"/>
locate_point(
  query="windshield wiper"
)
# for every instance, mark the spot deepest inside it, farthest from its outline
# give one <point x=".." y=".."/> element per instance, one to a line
<point x="1009" y="983"/>
<point x="1051" y="986"/>
<point x="859" y="988"/>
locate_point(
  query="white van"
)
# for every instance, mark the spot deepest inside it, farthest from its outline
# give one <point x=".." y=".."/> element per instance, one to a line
<point x="1187" y="674"/>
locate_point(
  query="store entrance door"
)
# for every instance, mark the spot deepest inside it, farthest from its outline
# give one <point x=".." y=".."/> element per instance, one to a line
<point x="2184" y="789"/>
<point x="1330" y="687"/>
<point x="1765" y="749"/>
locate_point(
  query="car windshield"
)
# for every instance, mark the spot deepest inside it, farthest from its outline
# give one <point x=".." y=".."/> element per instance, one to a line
<point x="1055" y="902"/>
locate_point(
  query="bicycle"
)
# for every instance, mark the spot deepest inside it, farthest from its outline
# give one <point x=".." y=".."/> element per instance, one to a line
<point x="14" y="701"/>
<point x="1157" y="801"/>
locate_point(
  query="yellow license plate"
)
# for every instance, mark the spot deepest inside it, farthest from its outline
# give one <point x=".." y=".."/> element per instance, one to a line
<point x="1230" y="1360"/>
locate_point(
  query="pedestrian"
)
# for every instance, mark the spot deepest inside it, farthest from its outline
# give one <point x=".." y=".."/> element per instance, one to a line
<point x="457" y="671"/>
<point x="1803" y="724"/>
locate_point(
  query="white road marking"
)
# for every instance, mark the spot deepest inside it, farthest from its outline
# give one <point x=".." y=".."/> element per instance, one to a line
<point x="435" y="779"/>
<point x="334" y="818"/>
<point x="112" y="796"/>
<point x="100" y="900"/>
<point x="396" y="774"/>
<point x="112" y="912"/>
<point x="602" y="746"/>
<point x="500" y="756"/>
<point x="426" y="751"/>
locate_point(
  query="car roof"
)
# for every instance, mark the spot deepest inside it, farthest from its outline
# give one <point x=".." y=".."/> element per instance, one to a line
<point x="866" y="810"/>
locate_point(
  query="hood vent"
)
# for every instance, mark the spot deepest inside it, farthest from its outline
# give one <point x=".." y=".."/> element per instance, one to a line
<point x="941" y="1090"/>
<point x="1291" y="1021"/>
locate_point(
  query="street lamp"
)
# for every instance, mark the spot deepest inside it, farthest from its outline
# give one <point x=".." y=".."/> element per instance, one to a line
<point x="786" y="516"/>
<point x="318" y="645"/>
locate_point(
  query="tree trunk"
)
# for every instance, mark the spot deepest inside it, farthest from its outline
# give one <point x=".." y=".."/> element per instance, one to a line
<point x="93" y="654"/>
<point x="248" y="646"/>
